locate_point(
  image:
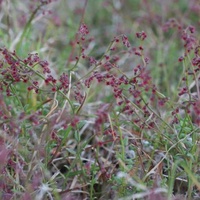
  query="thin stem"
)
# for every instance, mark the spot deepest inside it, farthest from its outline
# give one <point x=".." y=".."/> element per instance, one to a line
<point x="75" y="36"/>
<point x="27" y="26"/>
<point x="195" y="77"/>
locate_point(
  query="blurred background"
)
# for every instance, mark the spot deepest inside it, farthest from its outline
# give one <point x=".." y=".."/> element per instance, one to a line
<point x="54" y="26"/>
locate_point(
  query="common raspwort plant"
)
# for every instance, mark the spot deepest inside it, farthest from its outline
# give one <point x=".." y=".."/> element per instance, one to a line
<point x="99" y="100"/>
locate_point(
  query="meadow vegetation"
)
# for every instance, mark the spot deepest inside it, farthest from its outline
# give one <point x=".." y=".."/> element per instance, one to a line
<point x="99" y="99"/>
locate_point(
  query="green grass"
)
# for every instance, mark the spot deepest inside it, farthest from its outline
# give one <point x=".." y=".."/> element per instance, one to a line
<point x="129" y="134"/>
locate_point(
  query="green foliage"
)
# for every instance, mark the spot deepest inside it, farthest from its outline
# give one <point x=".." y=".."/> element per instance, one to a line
<point x="99" y="100"/>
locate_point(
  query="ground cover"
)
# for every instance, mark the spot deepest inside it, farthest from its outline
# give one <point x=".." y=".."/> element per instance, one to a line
<point x="99" y="99"/>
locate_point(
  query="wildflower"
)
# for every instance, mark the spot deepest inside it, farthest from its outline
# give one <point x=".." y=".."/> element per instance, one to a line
<point x="125" y="41"/>
<point x="142" y="35"/>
